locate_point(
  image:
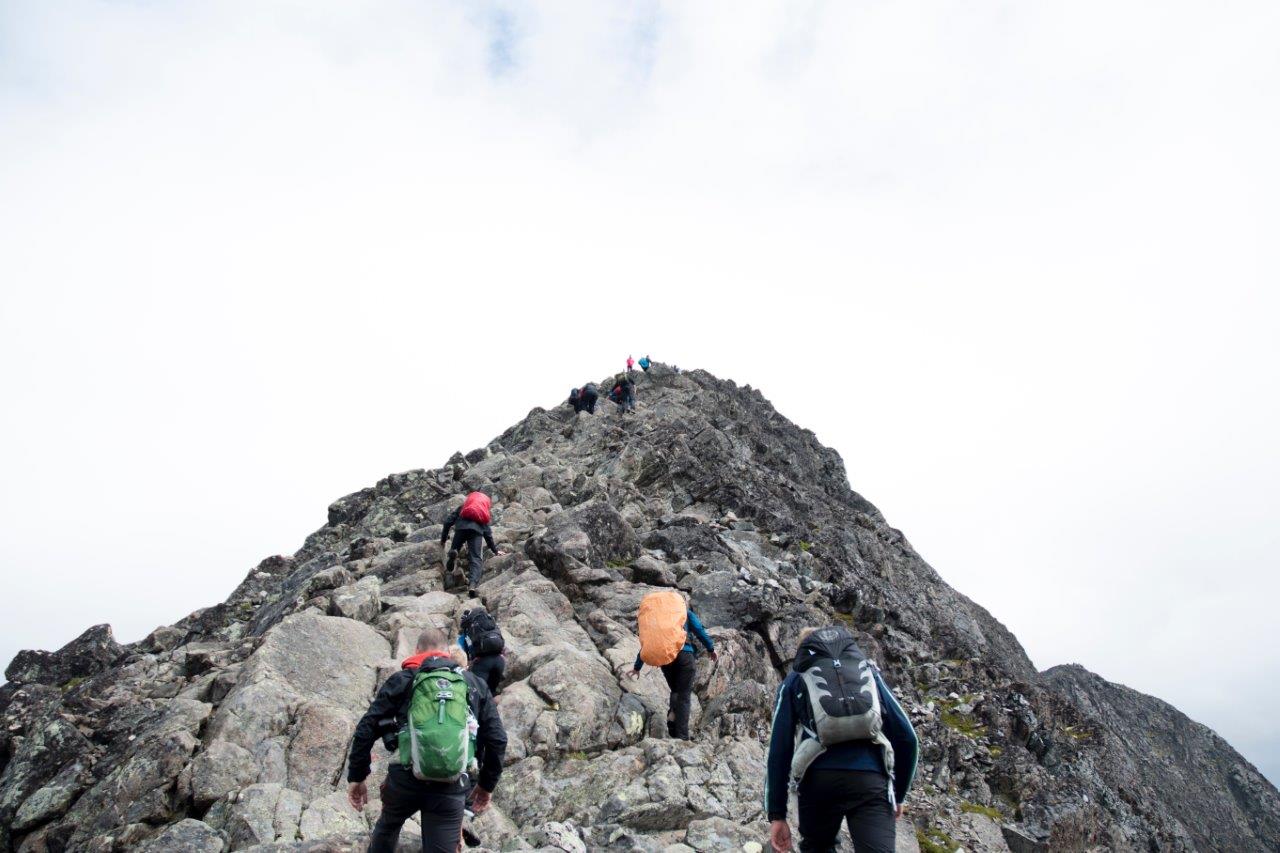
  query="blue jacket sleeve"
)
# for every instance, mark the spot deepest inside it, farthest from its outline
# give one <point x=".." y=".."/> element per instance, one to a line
<point x="901" y="735"/>
<point x="462" y="643"/>
<point x="781" y="745"/>
<point x="694" y="624"/>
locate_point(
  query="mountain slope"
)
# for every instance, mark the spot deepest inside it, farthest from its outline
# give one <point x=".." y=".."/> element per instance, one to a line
<point x="229" y="729"/>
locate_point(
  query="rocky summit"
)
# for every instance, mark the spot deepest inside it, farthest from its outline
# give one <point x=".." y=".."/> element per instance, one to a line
<point x="229" y="730"/>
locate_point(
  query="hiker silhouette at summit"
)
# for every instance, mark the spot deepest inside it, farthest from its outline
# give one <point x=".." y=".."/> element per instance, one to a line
<point x="431" y="704"/>
<point x="645" y="363"/>
<point x="667" y="627"/>
<point x="471" y="521"/>
<point x="842" y="741"/>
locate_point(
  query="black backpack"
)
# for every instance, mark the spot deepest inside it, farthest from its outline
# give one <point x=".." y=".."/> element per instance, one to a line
<point x="482" y="633"/>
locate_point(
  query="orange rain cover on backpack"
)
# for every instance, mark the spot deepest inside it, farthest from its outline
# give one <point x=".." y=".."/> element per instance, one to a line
<point x="662" y="633"/>
<point x="476" y="507"/>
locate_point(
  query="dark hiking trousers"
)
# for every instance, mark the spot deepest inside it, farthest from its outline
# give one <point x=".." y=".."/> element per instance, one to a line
<point x="404" y="796"/>
<point x="490" y="669"/>
<point x="679" y="674"/>
<point x="474" y="542"/>
<point x="828" y="798"/>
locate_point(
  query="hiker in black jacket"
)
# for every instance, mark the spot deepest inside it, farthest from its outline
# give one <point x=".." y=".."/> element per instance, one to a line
<point x="472" y="522"/>
<point x="482" y="640"/>
<point x="626" y="399"/>
<point x="587" y="398"/>
<point x="441" y="803"/>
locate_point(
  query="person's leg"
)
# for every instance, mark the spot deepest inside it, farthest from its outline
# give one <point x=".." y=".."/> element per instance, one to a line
<point x="820" y="810"/>
<point x="679" y="674"/>
<point x="475" y="555"/>
<point x="871" y="822"/>
<point x="399" y="803"/>
<point x="442" y="822"/>
<point x="497" y="669"/>
<point x="490" y="669"/>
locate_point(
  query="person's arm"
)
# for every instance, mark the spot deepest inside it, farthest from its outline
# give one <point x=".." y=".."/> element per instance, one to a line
<point x="385" y="704"/>
<point x="781" y="747"/>
<point x="463" y="644"/>
<point x="695" y="625"/>
<point x="448" y="524"/>
<point x="902" y="737"/>
<point x="491" y="739"/>
<point x="488" y="538"/>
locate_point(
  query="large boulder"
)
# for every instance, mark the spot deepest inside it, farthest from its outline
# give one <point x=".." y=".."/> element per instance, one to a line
<point x="86" y="655"/>
<point x="299" y="696"/>
<point x="584" y="546"/>
<point x="186" y="836"/>
<point x="141" y="788"/>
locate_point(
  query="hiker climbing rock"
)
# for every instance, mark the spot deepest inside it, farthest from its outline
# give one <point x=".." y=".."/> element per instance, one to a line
<point x="841" y="737"/>
<point x="584" y="398"/>
<point x="472" y="522"/>
<point x="449" y="736"/>
<point x="665" y="625"/>
<point x="645" y="363"/>
<point x="480" y="637"/>
<point x="624" y="394"/>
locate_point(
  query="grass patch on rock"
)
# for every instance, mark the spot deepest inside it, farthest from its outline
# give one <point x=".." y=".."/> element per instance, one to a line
<point x="934" y="840"/>
<point x="976" y="808"/>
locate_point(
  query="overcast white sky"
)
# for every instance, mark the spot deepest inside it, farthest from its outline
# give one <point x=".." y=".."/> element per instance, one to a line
<point x="1017" y="262"/>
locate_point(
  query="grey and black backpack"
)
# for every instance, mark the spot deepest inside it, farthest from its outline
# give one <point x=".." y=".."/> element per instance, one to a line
<point x="844" y="700"/>
<point x="482" y="632"/>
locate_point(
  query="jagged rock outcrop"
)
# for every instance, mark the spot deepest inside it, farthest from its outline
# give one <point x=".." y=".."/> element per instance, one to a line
<point x="228" y="730"/>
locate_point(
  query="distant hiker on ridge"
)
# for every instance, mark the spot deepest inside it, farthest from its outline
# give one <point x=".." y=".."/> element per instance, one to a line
<point x="624" y="394"/>
<point x="631" y="363"/>
<point x="665" y="622"/>
<point x="584" y="398"/>
<point x="432" y="704"/>
<point x="645" y="363"/>
<point x="472" y="520"/>
<point x="840" y="736"/>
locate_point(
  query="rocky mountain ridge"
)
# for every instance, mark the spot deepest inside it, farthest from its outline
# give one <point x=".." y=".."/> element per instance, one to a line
<point x="229" y="730"/>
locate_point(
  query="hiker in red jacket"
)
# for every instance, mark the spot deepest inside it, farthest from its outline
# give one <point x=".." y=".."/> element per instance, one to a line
<point x="472" y="522"/>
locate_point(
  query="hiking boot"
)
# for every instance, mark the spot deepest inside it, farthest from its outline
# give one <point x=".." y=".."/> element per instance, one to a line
<point x="471" y="591"/>
<point x="469" y="838"/>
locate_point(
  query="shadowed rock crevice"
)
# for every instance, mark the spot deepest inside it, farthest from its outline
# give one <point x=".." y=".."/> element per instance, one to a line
<point x="229" y="730"/>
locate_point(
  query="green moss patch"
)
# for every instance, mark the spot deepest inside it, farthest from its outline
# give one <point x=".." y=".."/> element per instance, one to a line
<point x="975" y="808"/>
<point x="934" y="840"/>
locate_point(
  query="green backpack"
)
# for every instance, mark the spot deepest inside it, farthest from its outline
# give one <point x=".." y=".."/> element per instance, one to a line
<point x="439" y="743"/>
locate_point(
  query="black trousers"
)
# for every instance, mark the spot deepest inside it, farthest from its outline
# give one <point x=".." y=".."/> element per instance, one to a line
<point x="490" y="669"/>
<point x="679" y="674"/>
<point x="404" y="796"/>
<point x="589" y="403"/>
<point x="474" y="542"/>
<point x="828" y="798"/>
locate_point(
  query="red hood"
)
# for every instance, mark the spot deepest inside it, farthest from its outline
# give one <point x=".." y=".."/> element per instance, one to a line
<point x="414" y="661"/>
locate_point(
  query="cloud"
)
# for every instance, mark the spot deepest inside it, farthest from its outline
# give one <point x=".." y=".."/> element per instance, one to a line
<point x="1014" y="262"/>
